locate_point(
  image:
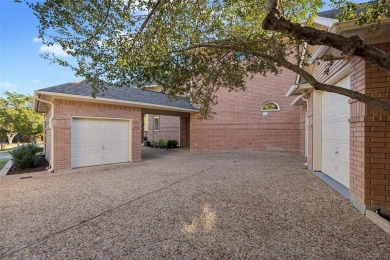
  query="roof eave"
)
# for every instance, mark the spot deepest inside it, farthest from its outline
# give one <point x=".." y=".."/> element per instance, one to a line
<point x="115" y="101"/>
<point x="298" y="89"/>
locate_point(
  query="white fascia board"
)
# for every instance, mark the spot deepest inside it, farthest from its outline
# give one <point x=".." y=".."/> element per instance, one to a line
<point x="152" y="86"/>
<point x="296" y="101"/>
<point x="318" y="52"/>
<point x="117" y="102"/>
<point x="328" y="22"/>
<point x="321" y="49"/>
<point x="298" y="89"/>
<point x="291" y="90"/>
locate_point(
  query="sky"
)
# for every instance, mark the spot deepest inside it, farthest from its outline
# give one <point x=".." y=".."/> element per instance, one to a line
<point x="22" y="69"/>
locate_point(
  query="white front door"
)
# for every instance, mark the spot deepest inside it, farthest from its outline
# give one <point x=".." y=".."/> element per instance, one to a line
<point x="335" y="134"/>
<point x="99" y="141"/>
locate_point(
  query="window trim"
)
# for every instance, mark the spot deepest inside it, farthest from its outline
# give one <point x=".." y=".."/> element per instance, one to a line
<point x="270" y="110"/>
<point x="154" y="123"/>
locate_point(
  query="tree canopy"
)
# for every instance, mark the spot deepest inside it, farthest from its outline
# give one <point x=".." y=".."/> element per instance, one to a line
<point x="17" y="116"/>
<point x="195" y="47"/>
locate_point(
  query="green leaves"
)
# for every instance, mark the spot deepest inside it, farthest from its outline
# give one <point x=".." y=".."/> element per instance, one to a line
<point x="17" y="116"/>
<point x="191" y="47"/>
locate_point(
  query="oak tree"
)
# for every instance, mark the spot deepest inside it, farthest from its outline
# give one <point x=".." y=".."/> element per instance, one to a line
<point x="195" y="47"/>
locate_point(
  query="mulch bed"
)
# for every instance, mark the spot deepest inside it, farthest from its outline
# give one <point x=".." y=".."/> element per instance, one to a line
<point x="41" y="166"/>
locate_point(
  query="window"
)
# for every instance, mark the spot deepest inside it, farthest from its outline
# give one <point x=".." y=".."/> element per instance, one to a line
<point x="270" y="106"/>
<point x="156" y="123"/>
<point x="146" y="122"/>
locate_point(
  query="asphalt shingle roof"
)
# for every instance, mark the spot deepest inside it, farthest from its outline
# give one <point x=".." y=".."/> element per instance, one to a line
<point x="335" y="13"/>
<point x="132" y="94"/>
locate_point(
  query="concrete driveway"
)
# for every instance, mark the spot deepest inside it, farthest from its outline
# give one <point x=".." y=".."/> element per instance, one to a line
<point x="5" y="155"/>
<point x="177" y="204"/>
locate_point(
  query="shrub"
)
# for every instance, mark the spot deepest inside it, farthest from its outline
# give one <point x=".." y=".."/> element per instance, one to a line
<point x="171" y="143"/>
<point x="154" y="143"/>
<point x="26" y="156"/>
<point x="148" y="143"/>
<point x="162" y="143"/>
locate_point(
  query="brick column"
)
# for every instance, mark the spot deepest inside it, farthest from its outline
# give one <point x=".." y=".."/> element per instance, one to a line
<point x="370" y="138"/>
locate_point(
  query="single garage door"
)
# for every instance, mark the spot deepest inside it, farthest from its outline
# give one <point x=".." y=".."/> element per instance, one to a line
<point x="99" y="141"/>
<point x="335" y="134"/>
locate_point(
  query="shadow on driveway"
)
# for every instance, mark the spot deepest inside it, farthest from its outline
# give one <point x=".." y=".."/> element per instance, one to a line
<point x="178" y="204"/>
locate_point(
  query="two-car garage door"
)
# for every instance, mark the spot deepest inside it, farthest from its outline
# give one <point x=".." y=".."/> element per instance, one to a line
<point x="99" y="141"/>
<point x="335" y="134"/>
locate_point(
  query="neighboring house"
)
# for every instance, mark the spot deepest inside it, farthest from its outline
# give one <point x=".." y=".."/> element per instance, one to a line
<point x="83" y="131"/>
<point x="345" y="139"/>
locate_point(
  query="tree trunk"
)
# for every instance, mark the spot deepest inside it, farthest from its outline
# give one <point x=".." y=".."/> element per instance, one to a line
<point x="274" y="21"/>
<point x="10" y="137"/>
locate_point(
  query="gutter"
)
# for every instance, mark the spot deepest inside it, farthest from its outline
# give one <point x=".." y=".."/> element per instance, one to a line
<point x="51" y="169"/>
<point x="116" y="101"/>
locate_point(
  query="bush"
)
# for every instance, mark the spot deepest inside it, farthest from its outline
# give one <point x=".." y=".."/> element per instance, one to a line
<point x="25" y="156"/>
<point x="171" y="143"/>
<point x="154" y="144"/>
<point x="162" y="143"/>
<point x="148" y="143"/>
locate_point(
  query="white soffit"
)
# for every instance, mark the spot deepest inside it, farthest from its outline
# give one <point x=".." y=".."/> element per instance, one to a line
<point x="328" y="22"/>
<point x="299" y="100"/>
<point x="298" y="89"/>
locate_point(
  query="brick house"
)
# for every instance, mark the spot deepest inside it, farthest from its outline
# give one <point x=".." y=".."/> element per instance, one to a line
<point x="239" y="122"/>
<point x="83" y="131"/>
<point x="347" y="140"/>
<point x="346" y="143"/>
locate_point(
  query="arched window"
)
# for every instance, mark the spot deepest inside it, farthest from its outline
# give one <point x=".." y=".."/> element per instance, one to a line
<point x="270" y="106"/>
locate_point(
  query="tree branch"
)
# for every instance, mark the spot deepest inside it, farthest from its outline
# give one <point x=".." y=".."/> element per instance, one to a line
<point x="147" y="19"/>
<point x="280" y="60"/>
<point x="353" y="45"/>
<point x="98" y="30"/>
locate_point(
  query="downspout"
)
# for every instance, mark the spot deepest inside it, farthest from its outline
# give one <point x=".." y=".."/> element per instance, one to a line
<point x="51" y="169"/>
<point x="179" y="131"/>
<point x="307" y="103"/>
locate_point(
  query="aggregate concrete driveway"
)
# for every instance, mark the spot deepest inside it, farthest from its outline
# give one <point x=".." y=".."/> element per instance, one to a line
<point x="177" y="204"/>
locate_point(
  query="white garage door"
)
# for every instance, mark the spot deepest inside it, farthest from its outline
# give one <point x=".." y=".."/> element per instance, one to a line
<point x="335" y="134"/>
<point x="99" y="141"/>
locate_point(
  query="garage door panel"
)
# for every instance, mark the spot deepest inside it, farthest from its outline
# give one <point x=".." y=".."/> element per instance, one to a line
<point x="335" y="135"/>
<point x="122" y="146"/>
<point x="80" y="148"/>
<point x="99" y="141"/>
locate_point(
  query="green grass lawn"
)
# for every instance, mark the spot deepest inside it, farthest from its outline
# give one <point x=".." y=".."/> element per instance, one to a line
<point x="3" y="162"/>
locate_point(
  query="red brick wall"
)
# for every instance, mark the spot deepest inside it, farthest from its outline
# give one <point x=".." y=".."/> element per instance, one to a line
<point x="302" y="130"/>
<point x="65" y="109"/>
<point x="169" y="128"/>
<point x="310" y="135"/>
<point x="377" y="137"/>
<point x="47" y="139"/>
<point x="240" y="125"/>
<point x="357" y="137"/>
<point x="369" y="133"/>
